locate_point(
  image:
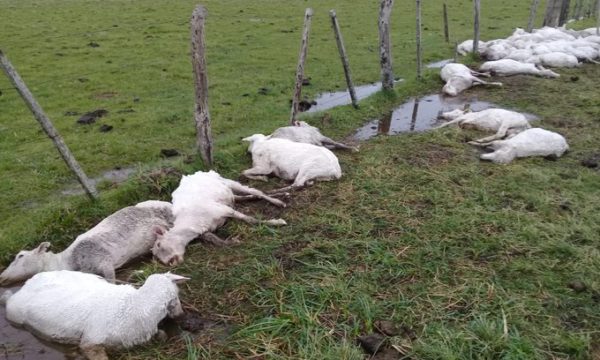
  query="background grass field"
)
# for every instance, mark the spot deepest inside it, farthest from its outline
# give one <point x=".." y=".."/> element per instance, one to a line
<point x="470" y="260"/>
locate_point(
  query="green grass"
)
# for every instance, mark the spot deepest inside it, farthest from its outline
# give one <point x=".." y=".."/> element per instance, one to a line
<point x="418" y="231"/>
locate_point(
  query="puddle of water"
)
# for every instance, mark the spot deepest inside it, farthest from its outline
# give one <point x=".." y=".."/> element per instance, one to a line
<point x="418" y="114"/>
<point x="114" y="176"/>
<point x="16" y="343"/>
<point x="439" y="64"/>
<point x="330" y="100"/>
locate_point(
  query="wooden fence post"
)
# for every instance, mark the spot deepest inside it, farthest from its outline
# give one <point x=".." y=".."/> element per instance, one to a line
<point x="48" y="127"/>
<point x="385" y="51"/>
<point x="578" y="9"/>
<point x="598" y="17"/>
<point x="419" y="49"/>
<point x="476" y="14"/>
<point x="300" y="69"/>
<point x="204" y="139"/>
<point x="446" y="31"/>
<point x="564" y="12"/>
<point x="552" y="16"/>
<point x="532" y="14"/>
<point x="342" y="49"/>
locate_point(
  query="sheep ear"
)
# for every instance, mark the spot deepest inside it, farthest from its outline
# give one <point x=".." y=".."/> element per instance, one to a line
<point x="43" y="247"/>
<point x="159" y="230"/>
<point x="177" y="279"/>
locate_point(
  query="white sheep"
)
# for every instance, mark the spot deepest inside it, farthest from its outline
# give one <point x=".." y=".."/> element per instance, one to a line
<point x="458" y="78"/>
<point x="121" y="237"/>
<point x="498" y="120"/>
<point x="531" y="142"/>
<point x="202" y="203"/>
<point x="305" y="133"/>
<point x="508" y="67"/>
<point x="288" y="160"/>
<point x="77" y="308"/>
<point x="558" y="60"/>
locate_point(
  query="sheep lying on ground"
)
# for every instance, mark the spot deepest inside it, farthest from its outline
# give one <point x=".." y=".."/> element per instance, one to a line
<point x="301" y="163"/>
<point x="76" y="308"/>
<point x="201" y="204"/>
<point x="459" y="78"/>
<point x="121" y="237"/>
<point x="532" y="142"/>
<point x="509" y="67"/>
<point x="304" y="133"/>
<point x="498" y="120"/>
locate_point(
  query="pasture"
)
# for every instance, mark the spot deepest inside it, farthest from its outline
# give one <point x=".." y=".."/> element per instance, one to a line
<point x="467" y="259"/>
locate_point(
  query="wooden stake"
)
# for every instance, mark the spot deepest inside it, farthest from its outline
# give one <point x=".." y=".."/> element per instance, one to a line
<point x="532" y="15"/>
<point x="476" y="13"/>
<point x="204" y="139"/>
<point x="300" y="69"/>
<point x="598" y="17"/>
<point x="48" y="127"/>
<point x="564" y="12"/>
<point x="385" y="51"/>
<point x="419" y="49"/>
<point x="552" y="16"/>
<point x="342" y="49"/>
<point x="446" y="31"/>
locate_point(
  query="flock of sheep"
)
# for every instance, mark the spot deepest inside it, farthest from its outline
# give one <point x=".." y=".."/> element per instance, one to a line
<point x="522" y="53"/>
<point x="65" y="299"/>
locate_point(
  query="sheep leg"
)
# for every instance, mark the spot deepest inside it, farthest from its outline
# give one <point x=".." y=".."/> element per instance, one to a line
<point x="477" y="81"/>
<point x="476" y="73"/>
<point x="499" y="135"/>
<point x="254" y="221"/>
<point x="457" y="120"/>
<point x="256" y="173"/>
<point x="213" y="239"/>
<point x="336" y="145"/>
<point x="94" y="352"/>
<point x="236" y="187"/>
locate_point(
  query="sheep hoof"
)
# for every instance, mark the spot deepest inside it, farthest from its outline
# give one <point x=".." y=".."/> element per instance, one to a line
<point x="277" y="222"/>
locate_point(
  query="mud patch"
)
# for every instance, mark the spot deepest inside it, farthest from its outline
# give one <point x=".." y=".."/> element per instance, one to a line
<point x="91" y="117"/>
<point x="591" y="161"/>
<point x="329" y="100"/>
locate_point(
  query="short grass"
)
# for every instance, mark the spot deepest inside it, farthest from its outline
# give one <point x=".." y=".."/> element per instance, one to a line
<point x="470" y="259"/>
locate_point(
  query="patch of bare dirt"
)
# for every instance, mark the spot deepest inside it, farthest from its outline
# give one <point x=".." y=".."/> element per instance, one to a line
<point x="431" y="155"/>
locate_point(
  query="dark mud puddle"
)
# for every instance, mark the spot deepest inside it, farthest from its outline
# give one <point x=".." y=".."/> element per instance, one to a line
<point x="16" y="343"/>
<point x="330" y="100"/>
<point x="420" y="114"/>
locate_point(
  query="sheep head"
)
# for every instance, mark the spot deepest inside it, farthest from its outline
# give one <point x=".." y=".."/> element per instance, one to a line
<point x="169" y="246"/>
<point x="25" y="265"/>
<point x="252" y="139"/>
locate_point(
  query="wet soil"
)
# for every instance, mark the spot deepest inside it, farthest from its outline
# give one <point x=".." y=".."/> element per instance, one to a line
<point x="329" y="100"/>
<point x="115" y="176"/>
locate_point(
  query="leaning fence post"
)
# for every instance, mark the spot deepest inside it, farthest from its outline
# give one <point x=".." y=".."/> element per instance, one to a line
<point x="598" y="17"/>
<point x="201" y="113"/>
<point x="48" y="127"/>
<point x="532" y="15"/>
<point x="385" y="51"/>
<point x="342" y="49"/>
<point x="300" y="69"/>
<point x="476" y="13"/>
<point x="446" y="31"/>
<point x="419" y="49"/>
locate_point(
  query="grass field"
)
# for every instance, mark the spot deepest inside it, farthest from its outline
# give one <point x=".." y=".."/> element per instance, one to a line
<point x="467" y="259"/>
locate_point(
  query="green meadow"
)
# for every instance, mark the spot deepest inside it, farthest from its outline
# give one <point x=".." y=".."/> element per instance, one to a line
<point x="468" y="260"/>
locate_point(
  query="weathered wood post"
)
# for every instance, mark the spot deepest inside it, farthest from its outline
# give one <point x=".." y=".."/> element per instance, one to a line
<point x="455" y="52"/>
<point x="342" y="49"/>
<point x="446" y="31"/>
<point x="385" y="51"/>
<point x="552" y="15"/>
<point x="578" y="9"/>
<point x="47" y="125"/>
<point x="204" y="139"/>
<point x="419" y="49"/>
<point x="300" y="69"/>
<point x="532" y="14"/>
<point x="564" y="12"/>
<point x="598" y="17"/>
<point x="476" y="14"/>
